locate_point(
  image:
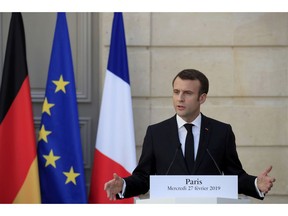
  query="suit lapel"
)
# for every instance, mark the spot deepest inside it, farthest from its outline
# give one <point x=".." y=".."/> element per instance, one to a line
<point x="173" y="133"/>
<point x="205" y="132"/>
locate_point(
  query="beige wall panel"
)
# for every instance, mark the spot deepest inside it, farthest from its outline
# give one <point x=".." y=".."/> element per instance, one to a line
<point x="137" y="28"/>
<point x="192" y="29"/>
<point x="258" y="125"/>
<point x="214" y="29"/>
<point x="253" y="124"/>
<point x="141" y="114"/>
<point x="216" y="63"/>
<point x="139" y="70"/>
<point x="260" y="29"/>
<point x="257" y="159"/>
<point x="261" y="71"/>
<point x="161" y="109"/>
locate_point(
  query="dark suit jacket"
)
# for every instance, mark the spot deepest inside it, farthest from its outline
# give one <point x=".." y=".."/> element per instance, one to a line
<point x="160" y="145"/>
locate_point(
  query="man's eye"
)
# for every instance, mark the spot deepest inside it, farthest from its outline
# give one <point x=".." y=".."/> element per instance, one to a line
<point x="188" y="93"/>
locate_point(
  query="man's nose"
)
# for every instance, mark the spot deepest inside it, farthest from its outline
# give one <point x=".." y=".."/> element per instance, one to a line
<point x="181" y="97"/>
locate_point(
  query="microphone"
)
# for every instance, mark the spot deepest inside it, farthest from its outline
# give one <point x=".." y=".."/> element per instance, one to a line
<point x="172" y="162"/>
<point x="221" y="173"/>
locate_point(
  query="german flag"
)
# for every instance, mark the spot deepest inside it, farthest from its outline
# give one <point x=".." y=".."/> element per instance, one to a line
<point x="19" y="180"/>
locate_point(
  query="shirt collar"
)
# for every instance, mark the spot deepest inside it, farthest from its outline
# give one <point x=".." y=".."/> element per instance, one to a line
<point x="196" y="122"/>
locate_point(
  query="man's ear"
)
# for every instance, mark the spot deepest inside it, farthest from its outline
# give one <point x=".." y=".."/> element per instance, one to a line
<point x="202" y="98"/>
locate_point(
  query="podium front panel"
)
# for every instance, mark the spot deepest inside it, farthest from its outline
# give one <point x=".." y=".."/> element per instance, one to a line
<point x="194" y="186"/>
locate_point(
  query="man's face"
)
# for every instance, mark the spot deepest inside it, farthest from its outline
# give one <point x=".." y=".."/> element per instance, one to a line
<point x="186" y="99"/>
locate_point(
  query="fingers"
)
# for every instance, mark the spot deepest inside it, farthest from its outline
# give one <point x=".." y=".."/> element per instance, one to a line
<point x="267" y="170"/>
<point x="111" y="187"/>
<point x="269" y="184"/>
<point x="265" y="182"/>
<point x="116" y="177"/>
<point x="271" y="180"/>
<point x="110" y="183"/>
<point x="111" y="195"/>
<point x="268" y="188"/>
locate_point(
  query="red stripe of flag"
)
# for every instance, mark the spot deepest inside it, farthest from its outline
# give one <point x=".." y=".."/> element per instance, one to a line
<point x="17" y="148"/>
<point x="17" y="134"/>
<point x="102" y="174"/>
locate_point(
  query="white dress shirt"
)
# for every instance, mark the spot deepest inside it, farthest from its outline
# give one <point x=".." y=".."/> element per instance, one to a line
<point x="183" y="132"/>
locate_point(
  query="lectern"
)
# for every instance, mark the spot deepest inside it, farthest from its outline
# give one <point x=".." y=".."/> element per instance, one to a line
<point x="193" y="200"/>
<point x="182" y="189"/>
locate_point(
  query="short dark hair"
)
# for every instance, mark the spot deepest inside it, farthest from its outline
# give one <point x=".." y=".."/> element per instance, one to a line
<point x="192" y="74"/>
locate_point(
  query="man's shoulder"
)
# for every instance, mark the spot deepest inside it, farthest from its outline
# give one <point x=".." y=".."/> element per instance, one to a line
<point x="167" y="122"/>
<point x="215" y="122"/>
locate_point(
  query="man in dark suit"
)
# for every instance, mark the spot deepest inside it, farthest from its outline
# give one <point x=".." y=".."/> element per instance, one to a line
<point x="164" y="150"/>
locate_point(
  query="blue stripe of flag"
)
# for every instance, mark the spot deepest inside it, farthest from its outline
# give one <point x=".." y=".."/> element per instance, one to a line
<point x="118" y="61"/>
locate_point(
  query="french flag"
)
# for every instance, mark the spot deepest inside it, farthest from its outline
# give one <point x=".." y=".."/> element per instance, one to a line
<point x="115" y="142"/>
